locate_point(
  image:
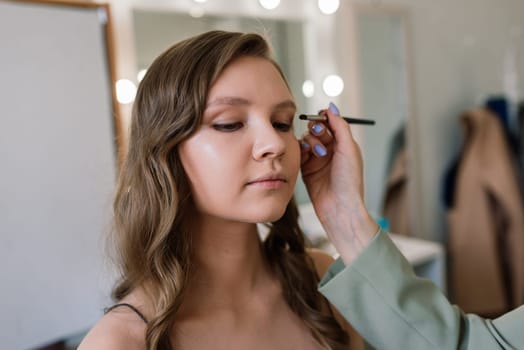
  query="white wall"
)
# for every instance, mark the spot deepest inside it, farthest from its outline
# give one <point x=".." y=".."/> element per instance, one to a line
<point x="58" y="168"/>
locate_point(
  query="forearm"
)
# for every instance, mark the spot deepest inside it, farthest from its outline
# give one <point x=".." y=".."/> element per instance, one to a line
<point x="393" y="309"/>
<point x="349" y="233"/>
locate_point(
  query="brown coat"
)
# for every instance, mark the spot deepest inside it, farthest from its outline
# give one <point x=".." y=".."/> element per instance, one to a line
<point x="486" y="222"/>
<point x="395" y="207"/>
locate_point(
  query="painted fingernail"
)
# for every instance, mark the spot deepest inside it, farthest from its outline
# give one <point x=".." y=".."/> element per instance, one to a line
<point x="320" y="150"/>
<point x="317" y="128"/>
<point x="304" y="145"/>
<point x="333" y="108"/>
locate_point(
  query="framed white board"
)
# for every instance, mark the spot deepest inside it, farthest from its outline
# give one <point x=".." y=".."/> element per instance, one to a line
<point x="58" y="164"/>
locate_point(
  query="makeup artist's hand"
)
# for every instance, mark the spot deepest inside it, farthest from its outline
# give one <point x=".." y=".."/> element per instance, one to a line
<point x="332" y="171"/>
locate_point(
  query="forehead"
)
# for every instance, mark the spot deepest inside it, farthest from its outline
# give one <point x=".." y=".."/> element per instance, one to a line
<point x="250" y="78"/>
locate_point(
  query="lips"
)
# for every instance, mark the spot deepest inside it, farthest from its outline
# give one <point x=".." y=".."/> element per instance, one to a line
<point x="270" y="180"/>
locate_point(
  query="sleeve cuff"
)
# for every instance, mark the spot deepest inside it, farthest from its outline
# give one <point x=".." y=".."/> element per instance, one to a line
<point x="338" y="265"/>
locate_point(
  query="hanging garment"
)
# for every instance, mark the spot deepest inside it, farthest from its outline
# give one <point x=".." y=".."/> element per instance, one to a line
<point x="486" y="222"/>
<point x="395" y="201"/>
<point x="520" y="119"/>
<point x="395" y="207"/>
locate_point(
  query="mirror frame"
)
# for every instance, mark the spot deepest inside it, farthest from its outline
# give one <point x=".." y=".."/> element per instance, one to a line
<point x="413" y="185"/>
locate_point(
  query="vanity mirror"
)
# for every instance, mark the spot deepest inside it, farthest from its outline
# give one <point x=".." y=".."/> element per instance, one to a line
<point x="380" y="53"/>
<point x="383" y="58"/>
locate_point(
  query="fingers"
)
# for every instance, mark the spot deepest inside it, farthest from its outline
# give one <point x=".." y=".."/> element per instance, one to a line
<point x="321" y="131"/>
<point x="317" y="139"/>
<point x="322" y="136"/>
<point x="339" y="127"/>
<point x="316" y="146"/>
<point x="305" y="153"/>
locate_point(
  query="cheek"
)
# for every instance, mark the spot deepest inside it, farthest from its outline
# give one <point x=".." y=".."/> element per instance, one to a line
<point x="293" y="151"/>
<point x="204" y="162"/>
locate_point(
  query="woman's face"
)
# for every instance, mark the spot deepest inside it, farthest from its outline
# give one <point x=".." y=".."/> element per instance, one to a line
<point x="244" y="159"/>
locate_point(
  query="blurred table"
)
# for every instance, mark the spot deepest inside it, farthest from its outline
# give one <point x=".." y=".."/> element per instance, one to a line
<point x="427" y="257"/>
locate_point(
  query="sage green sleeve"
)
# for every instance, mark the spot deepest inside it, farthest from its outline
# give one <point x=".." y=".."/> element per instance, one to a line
<point x="392" y="308"/>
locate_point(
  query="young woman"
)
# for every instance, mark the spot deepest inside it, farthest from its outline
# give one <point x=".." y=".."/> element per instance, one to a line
<point x="212" y="153"/>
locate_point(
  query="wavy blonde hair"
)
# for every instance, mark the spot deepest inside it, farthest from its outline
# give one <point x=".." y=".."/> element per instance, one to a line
<point x="153" y="205"/>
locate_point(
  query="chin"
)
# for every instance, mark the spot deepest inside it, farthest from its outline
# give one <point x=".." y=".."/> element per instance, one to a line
<point x="268" y="216"/>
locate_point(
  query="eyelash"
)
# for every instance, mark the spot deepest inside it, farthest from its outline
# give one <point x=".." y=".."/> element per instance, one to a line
<point x="231" y="127"/>
<point x="284" y="127"/>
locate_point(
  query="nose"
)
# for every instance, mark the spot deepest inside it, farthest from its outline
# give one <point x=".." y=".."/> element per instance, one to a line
<point x="269" y="143"/>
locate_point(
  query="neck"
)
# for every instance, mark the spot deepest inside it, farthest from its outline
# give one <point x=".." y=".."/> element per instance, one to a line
<point x="228" y="261"/>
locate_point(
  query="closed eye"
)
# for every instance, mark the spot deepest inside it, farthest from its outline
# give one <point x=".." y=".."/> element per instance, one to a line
<point x="284" y="127"/>
<point x="229" y="127"/>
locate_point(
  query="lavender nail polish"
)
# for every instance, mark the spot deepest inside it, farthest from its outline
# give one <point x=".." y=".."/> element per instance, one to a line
<point x="304" y="145"/>
<point x="317" y="128"/>
<point x="320" y="150"/>
<point x="333" y="108"/>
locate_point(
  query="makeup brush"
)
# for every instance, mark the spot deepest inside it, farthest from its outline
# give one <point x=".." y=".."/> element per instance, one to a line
<point x="323" y="118"/>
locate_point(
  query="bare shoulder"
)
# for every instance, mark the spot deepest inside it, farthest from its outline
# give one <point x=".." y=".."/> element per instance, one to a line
<point x="119" y="329"/>
<point x="321" y="259"/>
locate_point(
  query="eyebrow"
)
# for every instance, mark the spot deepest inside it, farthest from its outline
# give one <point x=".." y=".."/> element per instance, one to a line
<point x="286" y="104"/>
<point x="228" y="100"/>
<point x="239" y="101"/>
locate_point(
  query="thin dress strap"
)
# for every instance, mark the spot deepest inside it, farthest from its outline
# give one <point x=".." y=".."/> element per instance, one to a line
<point x="106" y="310"/>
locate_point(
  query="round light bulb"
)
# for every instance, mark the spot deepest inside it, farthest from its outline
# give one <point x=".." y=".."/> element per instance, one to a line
<point x="308" y="88"/>
<point x="269" y="4"/>
<point x="125" y="91"/>
<point x="197" y="12"/>
<point x="141" y="74"/>
<point x="328" y="7"/>
<point x="333" y="85"/>
<point x="200" y="1"/>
